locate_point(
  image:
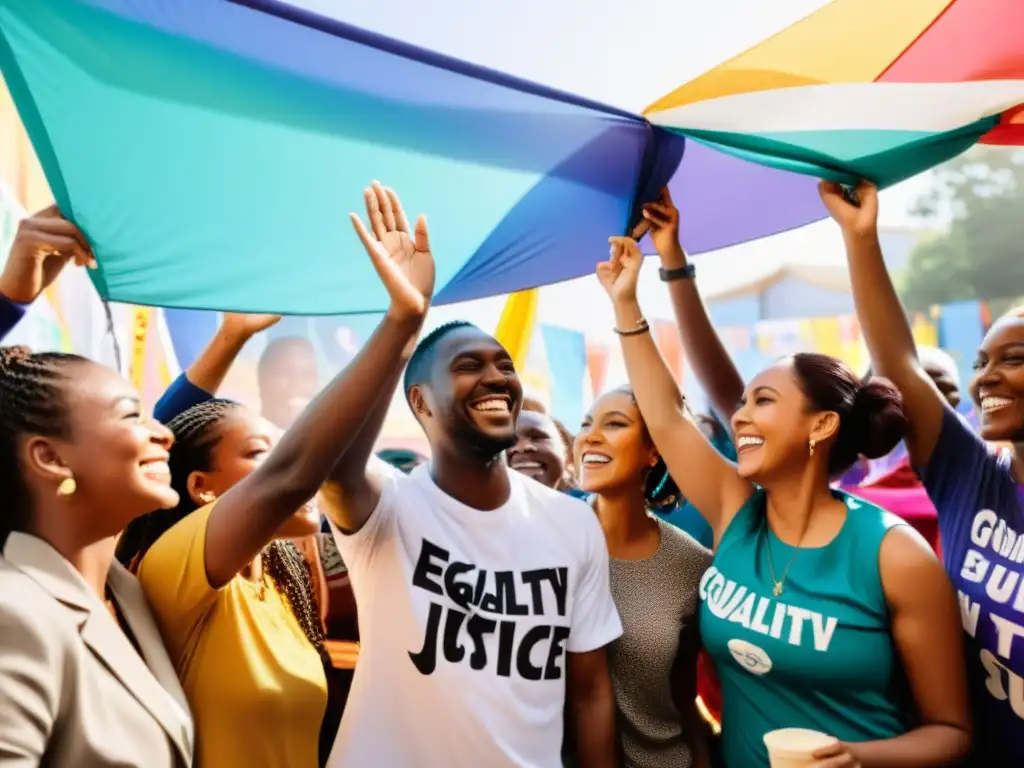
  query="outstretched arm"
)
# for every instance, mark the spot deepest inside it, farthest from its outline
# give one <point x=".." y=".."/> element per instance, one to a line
<point x="703" y="476"/>
<point x="886" y="329"/>
<point x="704" y="349"/>
<point x="248" y="516"/>
<point x="205" y="376"/>
<point x="353" y="489"/>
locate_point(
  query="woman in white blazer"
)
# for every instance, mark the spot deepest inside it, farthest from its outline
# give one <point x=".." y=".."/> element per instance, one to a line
<point x="85" y="681"/>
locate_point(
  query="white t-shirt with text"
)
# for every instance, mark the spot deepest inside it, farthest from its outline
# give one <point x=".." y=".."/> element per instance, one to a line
<point x="465" y="619"/>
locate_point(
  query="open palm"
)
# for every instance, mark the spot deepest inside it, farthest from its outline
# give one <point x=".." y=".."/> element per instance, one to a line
<point x="402" y="259"/>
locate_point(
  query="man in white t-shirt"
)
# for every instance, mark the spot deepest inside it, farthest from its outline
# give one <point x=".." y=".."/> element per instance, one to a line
<point x="483" y="596"/>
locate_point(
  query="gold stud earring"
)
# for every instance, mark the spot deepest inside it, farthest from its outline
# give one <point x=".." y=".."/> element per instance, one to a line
<point x="206" y="497"/>
<point x="811" y="444"/>
<point x="67" y="487"/>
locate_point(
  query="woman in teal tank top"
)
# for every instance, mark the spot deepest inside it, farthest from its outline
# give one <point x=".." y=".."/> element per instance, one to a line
<point x="821" y="611"/>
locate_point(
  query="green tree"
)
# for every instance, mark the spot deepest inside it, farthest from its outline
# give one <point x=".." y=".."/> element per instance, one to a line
<point x="979" y="255"/>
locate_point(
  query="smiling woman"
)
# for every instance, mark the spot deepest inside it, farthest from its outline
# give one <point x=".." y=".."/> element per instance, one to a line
<point x="655" y="569"/>
<point x="869" y="416"/>
<point x="77" y="464"/>
<point x="976" y="491"/>
<point x="818" y="605"/>
<point x="264" y="623"/>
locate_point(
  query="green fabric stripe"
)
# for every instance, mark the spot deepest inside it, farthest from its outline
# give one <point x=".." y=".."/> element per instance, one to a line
<point x="886" y="157"/>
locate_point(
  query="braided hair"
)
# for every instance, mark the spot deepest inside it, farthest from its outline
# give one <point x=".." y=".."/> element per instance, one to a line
<point x="32" y="402"/>
<point x="196" y="433"/>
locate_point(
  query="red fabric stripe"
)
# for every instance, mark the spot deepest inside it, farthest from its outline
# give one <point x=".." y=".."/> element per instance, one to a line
<point x="1010" y="130"/>
<point x="970" y="40"/>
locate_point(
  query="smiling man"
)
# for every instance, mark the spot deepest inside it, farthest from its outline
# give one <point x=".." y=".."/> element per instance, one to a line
<point x="483" y="596"/>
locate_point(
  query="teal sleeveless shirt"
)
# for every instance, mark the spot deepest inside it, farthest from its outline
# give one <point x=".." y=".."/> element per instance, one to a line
<point x="820" y="655"/>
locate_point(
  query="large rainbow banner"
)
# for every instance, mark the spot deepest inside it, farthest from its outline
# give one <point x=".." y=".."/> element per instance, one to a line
<point x="874" y="89"/>
<point x="211" y="149"/>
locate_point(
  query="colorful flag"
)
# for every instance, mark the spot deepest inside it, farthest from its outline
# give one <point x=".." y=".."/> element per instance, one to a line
<point x="736" y="338"/>
<point x="777" y="338"/>
<point x="597" y="365"/>
<point x="925" y="333"/>
<point x="873" y="89"/>
<point x="213" y="170"/>
<point x="566" y="353"/>
<point x="517" y="323"/>
<point x="826" y="336"/>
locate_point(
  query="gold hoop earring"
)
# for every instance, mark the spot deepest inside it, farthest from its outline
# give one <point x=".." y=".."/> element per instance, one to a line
<point x="67" y="487"/>
<point x="811" y="444"/>
<point x="207" y="498"/>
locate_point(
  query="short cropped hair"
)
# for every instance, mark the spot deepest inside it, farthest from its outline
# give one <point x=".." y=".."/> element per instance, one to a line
<point x="421" y="363"/>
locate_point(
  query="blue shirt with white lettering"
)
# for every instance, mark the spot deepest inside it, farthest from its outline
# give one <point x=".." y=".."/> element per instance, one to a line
<point x="819" y="653"/>
<point x="981" y="522"/>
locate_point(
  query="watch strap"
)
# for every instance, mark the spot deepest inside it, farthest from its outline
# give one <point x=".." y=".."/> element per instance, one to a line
<point x="686" y="272"/>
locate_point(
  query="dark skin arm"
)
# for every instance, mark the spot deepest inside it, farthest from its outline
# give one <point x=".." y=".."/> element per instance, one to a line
<point x="248" y="516"/>
<point x="881" y="315"/>
<point x="214" y="362"/>
<point x="705" y="351"/>
<point x="928" y="635"/>
<point x="591" y="701"/>
<point x="352" y="491"/>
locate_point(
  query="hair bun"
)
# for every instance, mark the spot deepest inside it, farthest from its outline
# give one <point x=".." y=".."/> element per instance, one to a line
<point x="878" y="418"/>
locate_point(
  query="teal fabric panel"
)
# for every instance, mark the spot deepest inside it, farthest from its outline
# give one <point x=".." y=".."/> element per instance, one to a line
<point x="884" y="157"/>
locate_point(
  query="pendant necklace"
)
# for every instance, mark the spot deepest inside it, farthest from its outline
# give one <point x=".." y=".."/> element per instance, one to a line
<point x="777" y="584"/>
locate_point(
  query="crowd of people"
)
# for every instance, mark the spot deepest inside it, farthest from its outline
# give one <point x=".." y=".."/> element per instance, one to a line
<point x="526" y="596"/>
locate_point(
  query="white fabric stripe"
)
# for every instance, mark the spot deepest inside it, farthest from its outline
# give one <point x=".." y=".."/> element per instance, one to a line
<point x="926" y="107"/>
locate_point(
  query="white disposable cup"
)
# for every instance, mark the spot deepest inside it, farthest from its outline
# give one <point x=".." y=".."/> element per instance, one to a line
<point x="793" y="747"/>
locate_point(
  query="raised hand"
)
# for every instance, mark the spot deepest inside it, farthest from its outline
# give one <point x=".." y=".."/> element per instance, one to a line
<point x="243" y="325"/>
<point x="44" y="244"/>
<point x="855" y="220"/>
<point x="402" y="260"/>
<point x="619" y="275"/>
<point x="663" y="220"/>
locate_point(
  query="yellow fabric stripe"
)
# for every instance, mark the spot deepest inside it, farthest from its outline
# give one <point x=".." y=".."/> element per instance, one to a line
<point x="515" y="328"/>
<point x="847" y="41"/>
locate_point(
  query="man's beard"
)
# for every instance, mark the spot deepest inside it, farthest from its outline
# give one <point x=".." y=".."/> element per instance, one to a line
<point x="476" y="443"/>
